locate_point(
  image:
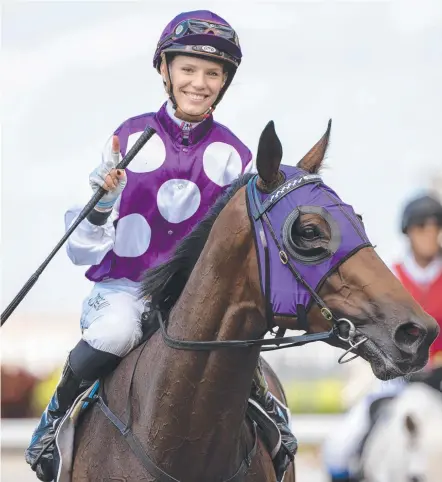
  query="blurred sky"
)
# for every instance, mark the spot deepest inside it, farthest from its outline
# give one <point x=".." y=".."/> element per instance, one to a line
<point x="73" y="71"/>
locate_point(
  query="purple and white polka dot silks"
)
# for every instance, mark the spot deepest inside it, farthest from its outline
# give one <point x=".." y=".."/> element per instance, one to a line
<point x="170" y="188"/>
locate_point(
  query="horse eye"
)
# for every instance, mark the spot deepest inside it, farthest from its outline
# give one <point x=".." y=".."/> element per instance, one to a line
<point x="310" y="232"/>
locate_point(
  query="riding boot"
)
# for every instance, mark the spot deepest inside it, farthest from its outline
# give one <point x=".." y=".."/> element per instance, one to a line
<point x="280" y="415"/>
<point x="66" y="391"/>
<point x="83" y="366"/>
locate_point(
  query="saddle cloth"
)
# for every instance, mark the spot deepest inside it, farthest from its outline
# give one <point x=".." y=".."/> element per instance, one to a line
<point x="65" y="434"/>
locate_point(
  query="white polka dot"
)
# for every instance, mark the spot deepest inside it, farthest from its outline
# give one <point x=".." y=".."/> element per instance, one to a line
<point x="132" y="237"/>
<point x="178" y="200"/>
<point x="222" y="163"/>
<point x="250" y="168"/>
<point x="150" y="157"/>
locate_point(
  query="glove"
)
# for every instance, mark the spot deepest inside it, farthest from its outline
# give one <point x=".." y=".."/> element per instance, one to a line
<point x="108" y="177"/>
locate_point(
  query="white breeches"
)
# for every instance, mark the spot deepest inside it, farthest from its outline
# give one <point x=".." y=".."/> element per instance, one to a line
<point x="111" y="319"/>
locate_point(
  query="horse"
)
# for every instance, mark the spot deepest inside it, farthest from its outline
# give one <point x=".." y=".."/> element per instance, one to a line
<point x="405" y="444"/>
<point x="278" y="250"/>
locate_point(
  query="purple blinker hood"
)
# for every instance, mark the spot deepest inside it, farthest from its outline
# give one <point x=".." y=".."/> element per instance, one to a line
<point x="273" y="216"/>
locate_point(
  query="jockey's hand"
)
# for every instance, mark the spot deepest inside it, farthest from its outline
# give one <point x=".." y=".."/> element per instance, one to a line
<point x="109" y="178"/>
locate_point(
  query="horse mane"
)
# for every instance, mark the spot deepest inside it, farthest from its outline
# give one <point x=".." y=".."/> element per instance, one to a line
<point x="165" y="283"/>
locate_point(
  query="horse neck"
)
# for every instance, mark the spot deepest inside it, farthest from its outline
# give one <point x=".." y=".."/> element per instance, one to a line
<point x="199" y="399"/>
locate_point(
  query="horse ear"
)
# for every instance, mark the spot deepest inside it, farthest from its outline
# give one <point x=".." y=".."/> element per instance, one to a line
<point x="312" y="161"/>
<point x="269" y="155"/>
<point x="411" y="425"/>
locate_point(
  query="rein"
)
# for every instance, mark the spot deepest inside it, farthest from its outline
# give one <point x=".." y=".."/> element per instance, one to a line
<point x="280" y="342"/>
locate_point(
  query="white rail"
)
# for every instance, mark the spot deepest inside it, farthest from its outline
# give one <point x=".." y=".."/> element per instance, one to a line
<point x="309" y="429"/>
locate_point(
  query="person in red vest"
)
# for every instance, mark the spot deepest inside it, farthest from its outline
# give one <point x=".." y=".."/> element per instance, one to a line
<point x="420" y="270"/>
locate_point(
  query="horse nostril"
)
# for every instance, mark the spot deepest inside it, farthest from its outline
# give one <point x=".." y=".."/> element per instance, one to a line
<point x="409" y="335"/>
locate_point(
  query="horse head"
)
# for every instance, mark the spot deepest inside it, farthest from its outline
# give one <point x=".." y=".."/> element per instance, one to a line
<point x="318" y="270"/>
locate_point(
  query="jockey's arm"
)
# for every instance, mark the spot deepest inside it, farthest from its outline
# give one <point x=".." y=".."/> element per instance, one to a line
<point x="89" y="244"/>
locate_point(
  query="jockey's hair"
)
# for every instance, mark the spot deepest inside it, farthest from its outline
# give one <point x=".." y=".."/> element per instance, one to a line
<point x="165" y="283"/>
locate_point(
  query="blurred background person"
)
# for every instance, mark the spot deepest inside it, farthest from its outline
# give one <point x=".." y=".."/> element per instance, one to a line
<point x="420" y="269"/>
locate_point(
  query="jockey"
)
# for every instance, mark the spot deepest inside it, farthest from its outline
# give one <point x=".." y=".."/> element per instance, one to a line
<point x="420" y="272"/>
<point x="164" y="192"/>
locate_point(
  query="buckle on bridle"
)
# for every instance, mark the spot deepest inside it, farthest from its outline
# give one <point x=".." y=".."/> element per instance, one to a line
<point x="283" y="257"/>
<point x="327" y="314"/>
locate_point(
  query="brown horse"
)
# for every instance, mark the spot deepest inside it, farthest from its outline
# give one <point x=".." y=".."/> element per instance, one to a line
<point x="188" y="406"/>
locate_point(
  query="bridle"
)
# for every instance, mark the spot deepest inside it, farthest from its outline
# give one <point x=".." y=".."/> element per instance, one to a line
<point x="258" y="212"/>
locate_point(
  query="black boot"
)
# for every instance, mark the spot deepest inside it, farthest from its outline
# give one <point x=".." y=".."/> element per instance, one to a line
<point x="84" y="365"/>
<point x="279" y="414"/>
<point x="43" y="437"/>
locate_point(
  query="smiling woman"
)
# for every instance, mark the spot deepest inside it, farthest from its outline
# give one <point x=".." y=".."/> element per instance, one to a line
<point x="196" y="83"/>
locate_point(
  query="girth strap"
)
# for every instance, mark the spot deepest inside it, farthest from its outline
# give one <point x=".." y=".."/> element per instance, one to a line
<point x="150" y="465"/>
<point x="135" y="445"/>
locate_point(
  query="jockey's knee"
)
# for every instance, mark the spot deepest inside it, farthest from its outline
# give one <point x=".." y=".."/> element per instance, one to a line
<point x="114" y="334"/>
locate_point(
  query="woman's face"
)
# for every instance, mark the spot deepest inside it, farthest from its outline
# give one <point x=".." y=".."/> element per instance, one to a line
<point x="196" y="83"/>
